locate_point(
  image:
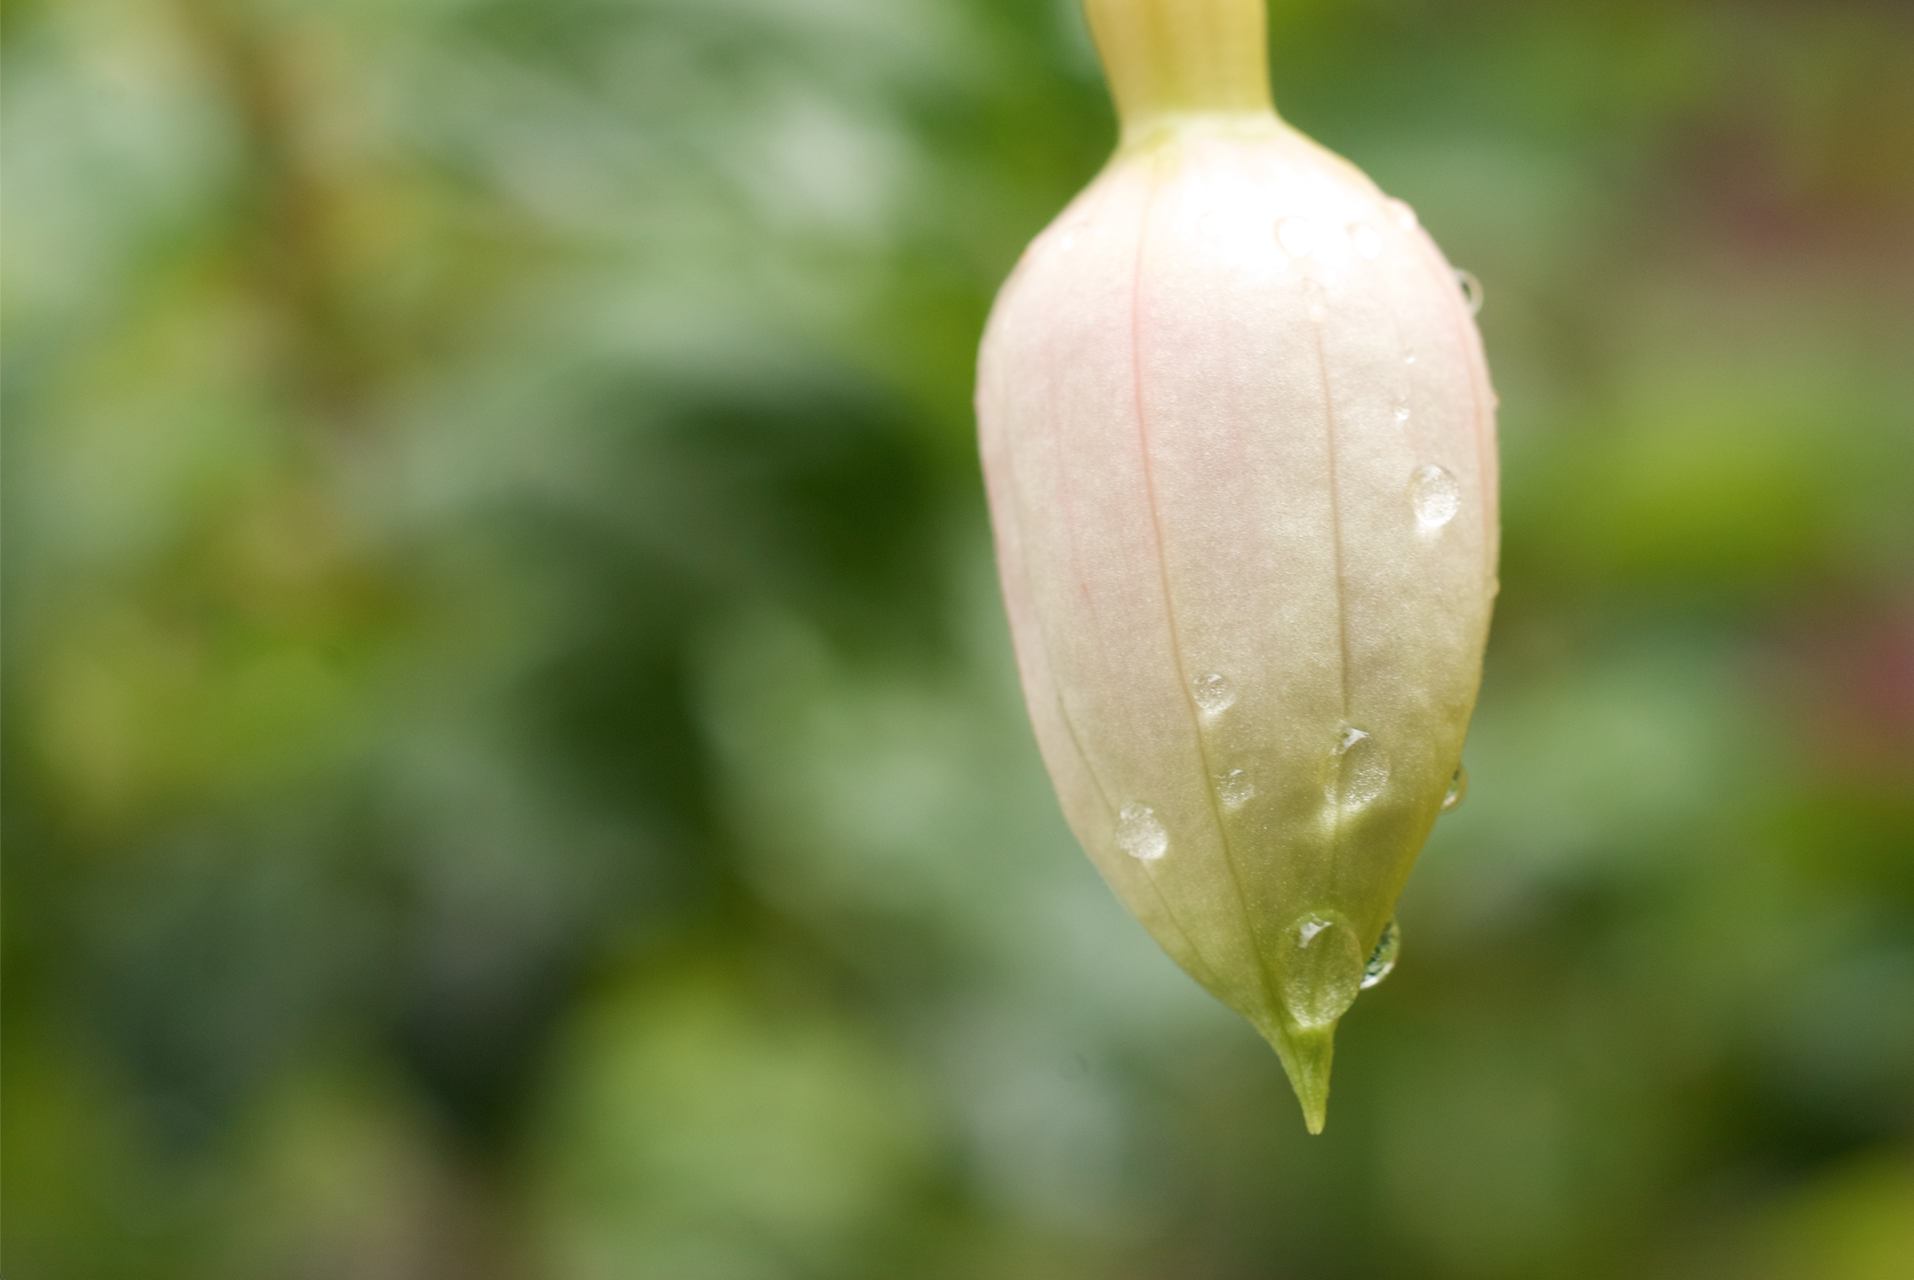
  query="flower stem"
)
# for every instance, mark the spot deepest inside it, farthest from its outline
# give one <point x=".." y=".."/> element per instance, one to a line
<point x="1178" y="58"/>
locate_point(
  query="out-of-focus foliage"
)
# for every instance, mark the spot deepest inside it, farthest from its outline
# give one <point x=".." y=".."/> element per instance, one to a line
<point x="513" y="769"/>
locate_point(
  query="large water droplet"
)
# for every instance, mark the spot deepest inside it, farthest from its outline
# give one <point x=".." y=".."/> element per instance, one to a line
<point x="1366" y="241"/>
<point x="1360" y="768"/>
<point x="1140" y="833"/>
<point x="1297" y="236"/>
<point x="1324" y="972"/>
<point x="1405" y="216"/>
<point x="1436" y="495"/>
<point x="1213" y="693"/>
<point x="1471" y="289"/>
<point x="1382" y="961"/>
<point x="1234" y="788"/>
<point x="1458" y="789"/>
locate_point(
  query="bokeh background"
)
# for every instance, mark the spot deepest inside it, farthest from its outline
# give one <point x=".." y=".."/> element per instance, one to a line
<point x="512" y="762"/>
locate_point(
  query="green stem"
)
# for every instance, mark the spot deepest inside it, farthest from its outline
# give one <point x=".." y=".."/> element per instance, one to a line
<point x="1168" y="59"/>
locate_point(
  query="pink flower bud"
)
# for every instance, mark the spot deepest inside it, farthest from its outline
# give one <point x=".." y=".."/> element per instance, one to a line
<point x="1240" y="447"/>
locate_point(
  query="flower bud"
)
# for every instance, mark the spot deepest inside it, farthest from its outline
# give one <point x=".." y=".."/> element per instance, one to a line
<point x="1240" y="447"/>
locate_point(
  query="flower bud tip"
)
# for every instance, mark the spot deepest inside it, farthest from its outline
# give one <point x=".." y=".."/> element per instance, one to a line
<point x="1306" y="1058"/>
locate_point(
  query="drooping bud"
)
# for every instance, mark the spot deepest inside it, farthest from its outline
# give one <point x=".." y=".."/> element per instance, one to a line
<point x="1240" y="446"/>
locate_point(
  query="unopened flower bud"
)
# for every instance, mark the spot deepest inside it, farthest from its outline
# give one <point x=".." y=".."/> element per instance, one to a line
<point x="1240" y="446"/>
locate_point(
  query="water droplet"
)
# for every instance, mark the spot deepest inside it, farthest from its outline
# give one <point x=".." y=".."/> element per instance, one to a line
<point x="1405" y="216"/>
<point x="1382" y="961"/>
<point x="1364" y="238"/>
<point x="1323" y="974"/>
<point x="1436" y="495"/>
<point x="1471" y="290"/>
<point x="1313" y="299"/>
<point x="1234" y="788"/>
<point x="1296" y="236"/>
<point x="1402" y="411"/>
<point x="1360" y="768"/>
<point x="1068" y="240"/>
<point x="1211" y="224"/>
<point x="1140" y="834"/>
<point x="1214" y="693"/>
<point x="1410" y="358"/>
<point x="1458" y="789"/>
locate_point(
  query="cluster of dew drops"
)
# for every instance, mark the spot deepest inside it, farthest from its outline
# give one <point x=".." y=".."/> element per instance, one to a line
<point x="1141" y="834"/>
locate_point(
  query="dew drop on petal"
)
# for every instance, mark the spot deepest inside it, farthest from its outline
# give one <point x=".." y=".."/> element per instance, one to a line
<point x="1402" y="411"/>
<point x="1471" y="290"/>
<point x="1322" y="975"/>
<point x="1359" y="768"/>
<point x="1234" y="789"/>
<point x="1213" y="693"/>
<point x="1405" y="216"/>
<point x="1382" y="961"/>
<point x="1436" y="495"/>
<point x="1140" y="833"/>
<point x="1458" y="789"/>
<point x="1367" y="781"/>
<point x="1297" y="236"/>
<point x="1366" y="241"/>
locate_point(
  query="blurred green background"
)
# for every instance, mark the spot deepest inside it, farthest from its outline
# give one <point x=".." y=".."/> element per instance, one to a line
<point x="513" y="768"/>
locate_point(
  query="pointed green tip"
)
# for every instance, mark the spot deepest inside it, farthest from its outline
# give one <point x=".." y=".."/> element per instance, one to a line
<point x="1306" y="1056"/>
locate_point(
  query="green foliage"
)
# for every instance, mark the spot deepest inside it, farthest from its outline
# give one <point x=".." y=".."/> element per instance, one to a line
<point x="512" y="764"/>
